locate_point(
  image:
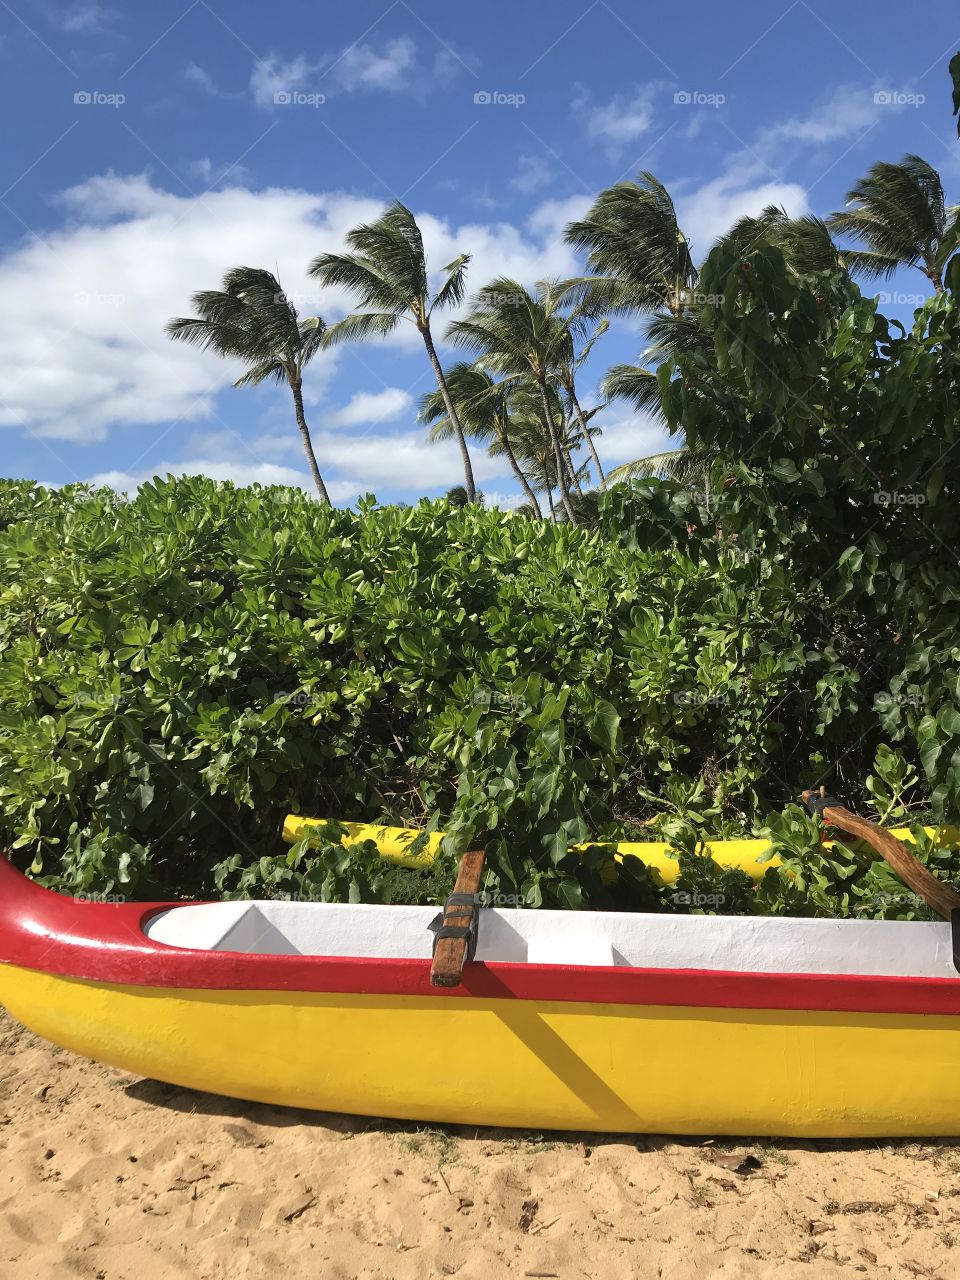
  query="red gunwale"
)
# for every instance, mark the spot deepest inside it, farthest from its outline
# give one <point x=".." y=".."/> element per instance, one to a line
<point x="105" y="942"/>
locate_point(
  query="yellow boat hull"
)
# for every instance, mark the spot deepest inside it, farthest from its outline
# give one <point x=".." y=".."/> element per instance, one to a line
<point x="540" y="1064"/>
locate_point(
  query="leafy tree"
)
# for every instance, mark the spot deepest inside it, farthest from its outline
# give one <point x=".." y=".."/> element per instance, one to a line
<point x="387" y="273"/>
<point x="251" y="319"/>
<point x="842" y="426"/>
<point x="898" y="211"/>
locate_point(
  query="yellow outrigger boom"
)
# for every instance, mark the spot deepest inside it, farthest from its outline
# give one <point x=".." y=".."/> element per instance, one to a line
<point x="394" y="844"/>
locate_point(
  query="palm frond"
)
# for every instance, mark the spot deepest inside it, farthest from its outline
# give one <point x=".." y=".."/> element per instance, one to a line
<point x="596" y="296"/>
<point x="258" y="373"/>
<point x="588" y="346"/>
<point x="480" y="401"/>
<point x="685" y="466"/>
<point x="208" y="335"/>
<point x="871" y="266"/>
<point x="639" y="386"/>
<point x="451" y="291"/>
<point x="312" y="338"/>
<point x="362" y="277"/>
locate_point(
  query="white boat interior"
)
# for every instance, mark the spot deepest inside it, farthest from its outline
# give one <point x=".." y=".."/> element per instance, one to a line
<point x="745" y="944"/>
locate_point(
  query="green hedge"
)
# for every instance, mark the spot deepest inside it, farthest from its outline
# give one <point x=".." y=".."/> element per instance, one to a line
<point x="180" y="670"/>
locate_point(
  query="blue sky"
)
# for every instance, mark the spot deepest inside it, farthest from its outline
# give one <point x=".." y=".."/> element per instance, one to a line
<point x="149" y="148"/>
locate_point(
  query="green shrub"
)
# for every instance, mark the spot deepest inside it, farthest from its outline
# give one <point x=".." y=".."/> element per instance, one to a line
<point x="179" y="671"/>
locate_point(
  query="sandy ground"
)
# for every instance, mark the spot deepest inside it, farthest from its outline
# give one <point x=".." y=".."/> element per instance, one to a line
<point x="114" y="1178"/>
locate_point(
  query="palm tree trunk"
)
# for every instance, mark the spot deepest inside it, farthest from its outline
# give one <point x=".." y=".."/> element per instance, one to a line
<point x="553" y="509"/>
<point x="295" y="387"/>
<point x="557" y="452"/>
<point x="586" y="435"/>
<point x="572" y="472"/>
<point x="518" y="470"/>
<point x="933" y="273"/>
<point x="452" y="414"/>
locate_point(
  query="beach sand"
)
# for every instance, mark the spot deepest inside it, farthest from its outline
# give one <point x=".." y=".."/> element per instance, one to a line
<point x="110" y="1177"/>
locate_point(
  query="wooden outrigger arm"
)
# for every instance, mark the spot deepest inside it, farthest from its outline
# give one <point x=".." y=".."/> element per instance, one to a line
<point x="456" y="929"/>
<point x="938" y="895"/>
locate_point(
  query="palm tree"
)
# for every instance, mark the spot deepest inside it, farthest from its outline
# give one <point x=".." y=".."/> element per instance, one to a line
<point x="457" y="496"/>
<point x="639" y="256"/>
<point x="642" y="262"/>
<point x="569" y="435"/>
<point x="568" y="366"/>
<point x="484" y="407"/>
<point x="898" y="212"/>
<point x="251" y="319"/>
<point x="387" y="272"/>
<point x="533" y="446"/>
<point x="518" y="334"/>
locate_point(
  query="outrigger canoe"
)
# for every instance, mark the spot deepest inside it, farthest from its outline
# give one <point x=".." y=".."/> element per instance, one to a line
<point x="564" y="1020"/>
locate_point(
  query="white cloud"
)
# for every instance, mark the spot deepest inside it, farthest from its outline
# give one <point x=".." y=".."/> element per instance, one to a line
<point x="850" y="111"/>
<point x="372" y="406"/>
<point x="617" y="123"/>
<point x="360" y="68"/>
<point x="211" y="175"/>
<point x="748" y="185"/>
<point x="628" y="435"/>
<point x="713" y="208"/>
<point x="404" y="463"/>
<point x="83" y="323"/>
<point x="533" y="172"/>
<point x="241" y="473"/>
<point x="396" y="67"/>
<point x="201" y="79"/>
<point x="549" y="220"/>
<point x="82" y="17"/>
<point x="483" y="199"/>
<point x="272" y="76"/>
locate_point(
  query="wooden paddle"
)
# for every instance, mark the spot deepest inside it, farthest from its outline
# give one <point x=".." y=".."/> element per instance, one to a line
<point x="941" y="897"/>
<point x="458" y="926"/>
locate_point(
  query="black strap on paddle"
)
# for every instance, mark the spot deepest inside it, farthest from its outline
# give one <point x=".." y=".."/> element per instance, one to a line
<point x="457" y="905"/>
